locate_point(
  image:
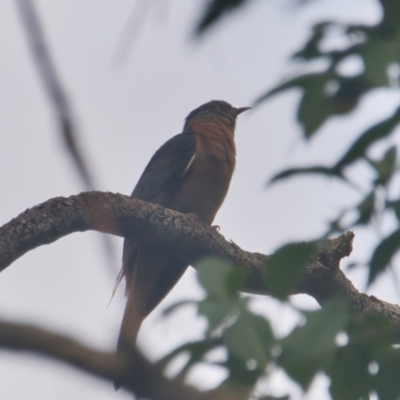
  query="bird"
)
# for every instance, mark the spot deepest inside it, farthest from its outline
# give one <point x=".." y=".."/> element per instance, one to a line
<point x="190" y="173"/>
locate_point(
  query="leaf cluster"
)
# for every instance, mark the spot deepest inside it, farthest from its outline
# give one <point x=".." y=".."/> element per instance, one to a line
<point x="331" y="92"/>
<point x="355" y="353"/>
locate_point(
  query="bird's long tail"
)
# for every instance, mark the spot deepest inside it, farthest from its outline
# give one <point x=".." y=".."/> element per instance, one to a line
<point x="131" y="322"/>
<point x="154" y="275"/>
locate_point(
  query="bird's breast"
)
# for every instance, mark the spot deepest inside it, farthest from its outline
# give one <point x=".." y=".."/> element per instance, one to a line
<point x="206" y="182"/>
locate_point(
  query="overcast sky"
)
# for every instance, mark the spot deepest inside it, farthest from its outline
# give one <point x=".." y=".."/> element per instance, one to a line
<point x="126" y="109"/>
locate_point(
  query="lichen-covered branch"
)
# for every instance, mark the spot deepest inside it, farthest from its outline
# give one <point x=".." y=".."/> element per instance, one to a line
<point x="181" y="234"/>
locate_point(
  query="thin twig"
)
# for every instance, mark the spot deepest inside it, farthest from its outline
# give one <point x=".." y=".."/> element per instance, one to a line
<point x="61" y="105"/>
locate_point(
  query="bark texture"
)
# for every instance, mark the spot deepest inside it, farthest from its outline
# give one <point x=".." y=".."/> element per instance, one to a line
<point x="121" y="215"/>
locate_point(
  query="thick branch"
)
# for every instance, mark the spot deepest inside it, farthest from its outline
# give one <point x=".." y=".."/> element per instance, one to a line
<point x="180" y="234"/>
<point x="136" y="373"/>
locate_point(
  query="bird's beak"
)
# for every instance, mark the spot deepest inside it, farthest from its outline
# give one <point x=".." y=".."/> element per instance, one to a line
<point x="242" y="109"/>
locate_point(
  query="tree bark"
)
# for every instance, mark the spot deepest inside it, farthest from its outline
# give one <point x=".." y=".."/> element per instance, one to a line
<point x="121" y="215"/>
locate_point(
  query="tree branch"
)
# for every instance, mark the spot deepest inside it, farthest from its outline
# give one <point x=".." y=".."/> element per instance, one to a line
<point x="181" y="234"/>
<point x="135" y="372"/>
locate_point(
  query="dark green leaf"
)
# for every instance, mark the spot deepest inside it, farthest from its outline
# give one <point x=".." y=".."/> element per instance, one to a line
<point x="373" y="332"/>
<point x="349" y="92"/>
<point x="369" y="337"/>
<point x="218" y="313"/>
<point x="366" y="209"/>
<point x="377" y="132"/>
<point x="172" y="308"/>
<point x="395" y="206"/>
<point x="309" y="348"/>
<point x="196" y="351"/>
<point x="309" y="170"/>
<point x="239" y="374"/>
<point x="250" y="340"/>
<point x="385" y="167"/>
<point x="312" y="49"/>
<point x="318" y="102"/>
<point x="380" y="50"/>
<point x="315" y="106"/>
<point x="383" y="253"/>
<point x="215" y="9"/>
<point x="298" y="82"/>
<point x="285" y="267"/>
<point x="349" y="374"/>
<point x="386" y="382"/>
<point x="221" y="279"/>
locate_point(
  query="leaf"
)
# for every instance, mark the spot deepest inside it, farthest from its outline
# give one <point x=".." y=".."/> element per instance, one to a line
<point x="172" y="308"/>
<point x="215" y="9"/>
<point x="249" y="341"/>
<point x="309" y="348"/>
<point x="379" y="51"/>
<point x="318" y="102"/>
<point x="370" y="336"/>
<point x="220" y="278"/>
<point x="301" y="82"/>
<point x="312" y="49"/>
<point x="395" y="206"/>
<point x="222" y="281"/>
<point x="373" y="332"/>
<point x="386" y="382"/>
<point x="383" y="253"/>
<point x="285" y="267"/>
<point x="217" y="313"/>
<point x="349" y="374"/>
<point x="196" y="350"/>
<point x="349" y="91"/>
<point x="385" y="167"/>
<point x="250" y="337"/>
<point x="315" y="107"/>
<point x="309" y="170"/>
<point x="377" y="132"/>
<point x="239" y="374"/>
<point x="366" y="209"/>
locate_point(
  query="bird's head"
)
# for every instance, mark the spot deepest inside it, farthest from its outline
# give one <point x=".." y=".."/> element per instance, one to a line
<point x="215" y="110"/>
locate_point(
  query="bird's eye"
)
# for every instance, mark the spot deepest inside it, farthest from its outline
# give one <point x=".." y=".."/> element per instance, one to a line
<point x="215" y="106"/>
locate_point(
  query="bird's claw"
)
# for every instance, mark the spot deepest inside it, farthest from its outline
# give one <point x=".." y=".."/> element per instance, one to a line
<point x="216" y="227"/>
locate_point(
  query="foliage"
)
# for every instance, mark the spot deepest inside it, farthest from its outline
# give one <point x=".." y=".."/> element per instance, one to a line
<point x="214" y="10"/>
<point x="331" y="93"/>
<point x="355" y="353"/>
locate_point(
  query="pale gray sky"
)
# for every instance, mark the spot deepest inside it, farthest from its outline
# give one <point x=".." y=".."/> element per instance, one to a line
<point x="125" y="112"/>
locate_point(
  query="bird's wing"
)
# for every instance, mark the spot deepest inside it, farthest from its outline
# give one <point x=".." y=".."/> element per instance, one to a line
<point x="158" y="182"/>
